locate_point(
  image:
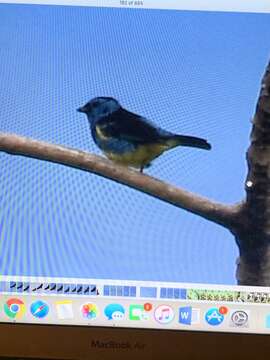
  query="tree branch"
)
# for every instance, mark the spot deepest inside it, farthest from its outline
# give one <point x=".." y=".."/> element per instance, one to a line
<point x="221" y="214"/>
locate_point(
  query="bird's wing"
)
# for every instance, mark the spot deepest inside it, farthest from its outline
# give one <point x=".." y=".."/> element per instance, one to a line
<point x="125" y="125"/>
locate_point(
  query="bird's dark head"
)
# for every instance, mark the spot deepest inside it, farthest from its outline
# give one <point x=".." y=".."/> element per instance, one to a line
<point x="99" y="107"/>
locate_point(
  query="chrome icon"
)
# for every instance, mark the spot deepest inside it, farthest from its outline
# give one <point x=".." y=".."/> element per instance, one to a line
<point x="14" y="308"/>
<point x="39" y="309"/>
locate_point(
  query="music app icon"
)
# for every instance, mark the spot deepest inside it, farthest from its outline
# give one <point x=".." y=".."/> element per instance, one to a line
<point x="164" y="314"/>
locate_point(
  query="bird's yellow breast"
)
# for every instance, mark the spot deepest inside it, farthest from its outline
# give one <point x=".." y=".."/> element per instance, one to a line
<point x="142" y="156"/>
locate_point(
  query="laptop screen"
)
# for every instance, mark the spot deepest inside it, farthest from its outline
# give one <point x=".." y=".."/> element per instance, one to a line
<point x="148" y="215"/>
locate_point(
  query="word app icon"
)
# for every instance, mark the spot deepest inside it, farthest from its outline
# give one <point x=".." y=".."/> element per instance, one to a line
<point x="215" y="316"/>
<point x="39" y="309"/>
<point x="139" y="312"/>
<point x="89" y="311"/>
<point x="164" y="314"/>
<point x="14" y="308"/>
<point x="189" y="315"/>
<point x="114" y="312"/>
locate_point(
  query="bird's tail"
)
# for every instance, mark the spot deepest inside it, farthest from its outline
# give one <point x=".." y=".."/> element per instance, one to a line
<point x="183" y="140"/>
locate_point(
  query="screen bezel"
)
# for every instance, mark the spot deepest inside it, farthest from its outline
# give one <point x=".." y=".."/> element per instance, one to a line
<point x="76" y="342"/>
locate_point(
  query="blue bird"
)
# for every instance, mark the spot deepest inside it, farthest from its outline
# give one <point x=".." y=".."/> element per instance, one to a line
<point x="130" y="139"/>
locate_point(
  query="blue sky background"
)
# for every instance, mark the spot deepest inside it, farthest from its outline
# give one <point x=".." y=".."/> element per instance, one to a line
<point x="195" y="73"/>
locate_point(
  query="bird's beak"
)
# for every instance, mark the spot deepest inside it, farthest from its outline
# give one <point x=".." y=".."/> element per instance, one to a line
<point x="80" y="109"/>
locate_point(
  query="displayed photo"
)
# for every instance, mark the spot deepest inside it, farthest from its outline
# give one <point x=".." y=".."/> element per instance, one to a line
<point x="177" y="198"/>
